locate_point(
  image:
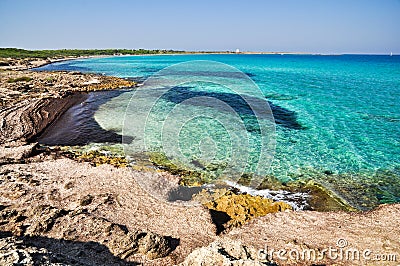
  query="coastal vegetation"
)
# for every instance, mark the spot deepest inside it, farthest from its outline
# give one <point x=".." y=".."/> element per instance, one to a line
<point x="21" y="53"/>
<point x="24" y="78"/>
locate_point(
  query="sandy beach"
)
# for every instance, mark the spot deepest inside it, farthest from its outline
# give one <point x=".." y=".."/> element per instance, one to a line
<point x="56" y="209"/>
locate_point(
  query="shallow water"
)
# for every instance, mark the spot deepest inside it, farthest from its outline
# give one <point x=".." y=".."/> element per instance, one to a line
<point x="337" y="117"/>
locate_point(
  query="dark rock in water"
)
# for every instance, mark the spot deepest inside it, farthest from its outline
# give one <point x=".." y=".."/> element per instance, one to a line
<point x="328" y="172"/>
<point x="239" y="104"/>
<point x="271" y="182"/>
<point x="285" y="117"/>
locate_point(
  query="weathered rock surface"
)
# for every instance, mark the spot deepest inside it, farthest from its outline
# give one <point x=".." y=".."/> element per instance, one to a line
<point x="121" y="242"/>
<point x="17" y="86"/>
<point x="16" y="152"/>
<point x="54" y="252"/>
<point x="13" y="251"/>
<point x="43" y="199"/>
<point x="64" y="199"/>
<point x="223" y="253"/>
<point x="26" y="119"/>
<point x="376" y="231"/>
<point x="30" y="101"/>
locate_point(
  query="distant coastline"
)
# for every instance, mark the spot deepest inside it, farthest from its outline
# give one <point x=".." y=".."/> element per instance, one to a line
<point x="69" y="54"/>
<point x="65" y="54"/>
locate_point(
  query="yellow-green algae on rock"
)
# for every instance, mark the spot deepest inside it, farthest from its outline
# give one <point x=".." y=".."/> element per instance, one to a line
<point x="244" y="207"/>
<point x="190" y="178"/>
<point x="95" y="157"/>
<point x="321" y="198"/>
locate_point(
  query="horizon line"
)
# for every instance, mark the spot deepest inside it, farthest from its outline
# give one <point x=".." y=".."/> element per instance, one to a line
<point x="212" y="51"/>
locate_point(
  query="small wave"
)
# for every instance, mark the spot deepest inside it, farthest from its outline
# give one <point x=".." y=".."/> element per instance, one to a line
<point x="297" y="200"/>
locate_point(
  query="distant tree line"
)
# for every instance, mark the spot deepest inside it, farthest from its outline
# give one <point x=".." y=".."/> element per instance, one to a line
<point x="21" y="53"/>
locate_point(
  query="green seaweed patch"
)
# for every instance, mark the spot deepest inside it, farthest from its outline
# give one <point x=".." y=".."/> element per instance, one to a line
<point x="188" y="177"/>
<point x="322" y="198"/>
<point x="365" y="191"/>
<point x="114" y="150"/>
<point x="279" y="96"/>
<point x="272" y="183"/>
<point x="25" y="79"/>
<point x="245" y="179"/>
<point x="95" y="157"/>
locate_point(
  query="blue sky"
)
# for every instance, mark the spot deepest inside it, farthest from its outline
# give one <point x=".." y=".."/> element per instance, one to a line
<point x="320" y="26"/>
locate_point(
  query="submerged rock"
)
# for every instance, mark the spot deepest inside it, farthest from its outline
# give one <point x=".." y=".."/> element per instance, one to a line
<point x="188" y="177"/>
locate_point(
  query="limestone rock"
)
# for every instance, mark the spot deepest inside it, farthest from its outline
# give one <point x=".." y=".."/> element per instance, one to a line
<point x="45" y="217"/>
<point x="14" y="252"/>
<point x="150" y="244"/>
<point x="12" y="154"/>
<point x="223" y="253"/>
<point x="72" y="225"/>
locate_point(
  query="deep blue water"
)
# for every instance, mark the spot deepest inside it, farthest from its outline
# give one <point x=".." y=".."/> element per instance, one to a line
<point x="337" y="117"/>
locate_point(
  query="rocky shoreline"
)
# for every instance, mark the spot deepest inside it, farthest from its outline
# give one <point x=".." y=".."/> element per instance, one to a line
<point x="57" y="211"/>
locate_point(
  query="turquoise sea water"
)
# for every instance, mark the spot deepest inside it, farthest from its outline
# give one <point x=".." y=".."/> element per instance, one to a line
<point x="337" y="117"/>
